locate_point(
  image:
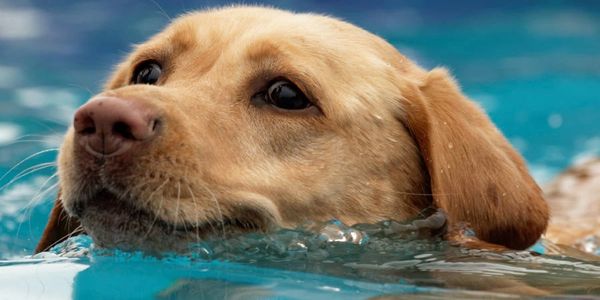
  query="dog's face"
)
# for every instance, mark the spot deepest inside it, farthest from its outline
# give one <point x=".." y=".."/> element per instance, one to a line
<point x="244" y="118"/>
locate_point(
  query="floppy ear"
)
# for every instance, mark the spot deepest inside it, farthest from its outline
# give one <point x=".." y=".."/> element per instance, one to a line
<point x="476" y="176"/>
<point x="60" y="226"/>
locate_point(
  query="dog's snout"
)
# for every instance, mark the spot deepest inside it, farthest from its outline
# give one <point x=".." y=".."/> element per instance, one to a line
<point x="110" y="125"/>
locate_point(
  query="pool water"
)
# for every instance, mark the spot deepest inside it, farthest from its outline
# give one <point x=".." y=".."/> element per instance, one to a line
<point x="318" y="261"/>
<point x="534" y="67"/>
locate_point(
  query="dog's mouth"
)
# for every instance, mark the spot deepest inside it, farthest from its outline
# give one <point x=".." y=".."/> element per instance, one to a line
<point x="115" y="223"/>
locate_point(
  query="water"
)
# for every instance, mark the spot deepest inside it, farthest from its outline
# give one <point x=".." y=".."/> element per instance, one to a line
<point x="318" y="261"/>
<point x="535" y="68"/>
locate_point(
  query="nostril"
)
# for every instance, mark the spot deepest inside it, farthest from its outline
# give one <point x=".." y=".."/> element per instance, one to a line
<point x="155" y="125"/>
<point x="124" y="130"/>
<point x="88" y="130"/>
<point x="85" y="125"/>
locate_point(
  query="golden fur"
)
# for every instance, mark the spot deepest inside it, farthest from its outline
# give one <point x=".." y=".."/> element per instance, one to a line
<point x="574" y="198"/>
<point x="385" y="139"/>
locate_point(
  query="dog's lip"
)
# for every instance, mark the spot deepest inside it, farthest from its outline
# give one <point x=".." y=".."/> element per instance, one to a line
<point x="124" y="148"/>
<point x="106" y="199"/>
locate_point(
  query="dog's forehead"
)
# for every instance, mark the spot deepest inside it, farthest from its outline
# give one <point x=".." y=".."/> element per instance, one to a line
<point x="342" y="60"/>
<point x="230" y="24"/>
<point x="244" y="27"/>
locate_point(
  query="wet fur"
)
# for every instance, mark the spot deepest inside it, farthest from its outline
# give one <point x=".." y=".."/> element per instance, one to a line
<point x="386" y="140"/>
<point x="574" y="198"/>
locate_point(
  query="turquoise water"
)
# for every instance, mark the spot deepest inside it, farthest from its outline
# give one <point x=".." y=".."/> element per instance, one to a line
<point x="534" y="67"/>
<point x="319" y="261"/>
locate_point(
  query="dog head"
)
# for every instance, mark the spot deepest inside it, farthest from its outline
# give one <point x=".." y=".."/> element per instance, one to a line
<point x="243" y="118"/>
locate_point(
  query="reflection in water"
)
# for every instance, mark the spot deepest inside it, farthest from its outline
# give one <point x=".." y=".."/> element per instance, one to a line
<point x="213" y="289"/>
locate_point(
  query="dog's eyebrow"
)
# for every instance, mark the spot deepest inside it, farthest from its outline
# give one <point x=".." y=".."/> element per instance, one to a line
<point x="277" y="61"/>
<point x="260" y="50"/>
<point x="179" y="41"/>
<point x="158" y="54"/>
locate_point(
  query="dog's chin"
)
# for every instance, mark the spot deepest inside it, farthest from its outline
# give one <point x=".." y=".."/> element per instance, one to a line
<point x="114" y="223"/>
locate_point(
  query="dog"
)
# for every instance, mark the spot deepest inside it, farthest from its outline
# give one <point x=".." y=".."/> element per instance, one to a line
<point x="246" y="118"/>
<point x="574" y="200"/>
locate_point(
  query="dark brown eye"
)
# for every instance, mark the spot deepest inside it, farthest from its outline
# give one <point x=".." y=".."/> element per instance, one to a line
<point x="286" y="95"/>
<point x="147" y="72"/>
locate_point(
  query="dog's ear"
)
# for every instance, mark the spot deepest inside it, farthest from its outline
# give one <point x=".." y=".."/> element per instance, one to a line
<point x="476" y="176"/>
<point x="60" y="226"/>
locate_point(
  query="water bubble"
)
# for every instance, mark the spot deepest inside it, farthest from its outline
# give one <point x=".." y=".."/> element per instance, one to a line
<point x="336" y="231"/>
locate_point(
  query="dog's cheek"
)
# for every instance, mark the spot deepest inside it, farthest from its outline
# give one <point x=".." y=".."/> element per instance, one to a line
<point x="309" y="164"/>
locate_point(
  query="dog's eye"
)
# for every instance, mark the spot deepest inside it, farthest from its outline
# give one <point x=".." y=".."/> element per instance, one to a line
<point x="147" y="72"/>
<point x="286" y="95"/>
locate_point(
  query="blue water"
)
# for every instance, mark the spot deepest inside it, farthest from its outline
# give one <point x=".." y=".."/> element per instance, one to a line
<point x="534" y="66"/>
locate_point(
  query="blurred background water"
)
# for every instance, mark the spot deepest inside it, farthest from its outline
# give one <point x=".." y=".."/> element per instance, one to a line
<point x="533" y="65"/>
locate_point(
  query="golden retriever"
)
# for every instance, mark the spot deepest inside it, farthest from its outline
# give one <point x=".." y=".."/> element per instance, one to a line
<point x="245" y="118"/>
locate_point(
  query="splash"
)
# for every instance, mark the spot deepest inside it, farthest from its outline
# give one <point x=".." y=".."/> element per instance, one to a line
<point x="386" y="258"/>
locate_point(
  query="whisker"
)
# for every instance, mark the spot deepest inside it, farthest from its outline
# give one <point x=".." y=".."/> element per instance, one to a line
<point x="161" y="10"/>
<point x="32" y="203"/>
<point x="218" y="207"/>
<point x="41" y="195"/>
<point x="31" y="135"/>
<point x="79" y="229"/>
<point x="56" y="120"/>
<point x="21" y="142"/>
<point x="219" y="212"/>
<point x="27" y="209"/>
<point x="50" y="163"/>
<point x="26" y="159"/>
<point x="159" y="208"/>
<point x="196" y="210"/>
<point x="39" y="192"/>
<point x="85" y="88"/>
<point x="26" y="138"/>
<point x="63" y="215"/>
<point x="126" y="193"/>
<point x="177" y="209"/>
<point x="28" y="171"/>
